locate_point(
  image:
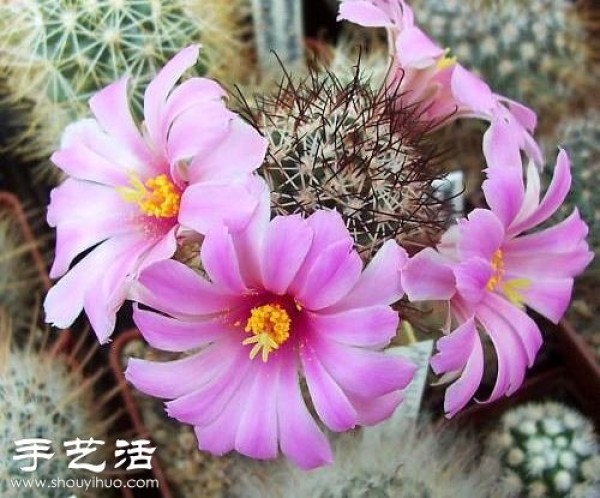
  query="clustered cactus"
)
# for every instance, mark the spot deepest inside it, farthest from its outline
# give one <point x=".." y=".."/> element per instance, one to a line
<point x="394" y="459"/>
<point x="44" y="398"/>
<point x="59" y="53"/>
<point x="548" y="450"/>
<point x="534" y="51"/>
<point x="581" y="138"/>
<point x="343" y="146"/>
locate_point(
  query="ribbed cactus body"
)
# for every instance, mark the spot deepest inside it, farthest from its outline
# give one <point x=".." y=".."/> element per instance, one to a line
<point x="548" y="450"/>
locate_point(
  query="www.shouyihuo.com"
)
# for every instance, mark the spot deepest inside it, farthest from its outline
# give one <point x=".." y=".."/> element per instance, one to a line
<point x="84" y="484"/>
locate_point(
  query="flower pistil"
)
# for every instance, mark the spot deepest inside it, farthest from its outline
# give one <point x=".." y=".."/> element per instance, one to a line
<point x="158" y="197"/>
<point x="270" y="327"/>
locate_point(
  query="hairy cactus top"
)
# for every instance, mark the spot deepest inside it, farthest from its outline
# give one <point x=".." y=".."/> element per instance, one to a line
<point x="548" y="450"/>
<point x="344" y="146"/>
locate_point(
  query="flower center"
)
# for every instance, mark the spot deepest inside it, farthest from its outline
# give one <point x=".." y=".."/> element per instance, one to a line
<point x="158" y="197"/>
<point x="497" y="265"/>
<point x="270" y="327"/>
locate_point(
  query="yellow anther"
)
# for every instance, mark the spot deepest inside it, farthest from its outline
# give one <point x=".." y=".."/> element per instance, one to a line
<point x="511" y="288"/>
<point x="158" y="197"/>
<point x="270" y="327"/>
<point x="497" y="265"/>
<point x="444" y="61"/>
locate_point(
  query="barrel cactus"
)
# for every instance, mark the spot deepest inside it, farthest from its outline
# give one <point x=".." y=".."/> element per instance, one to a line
<point x="339" y="145"/>
<point x="548" y="450"/>
<point x="530" y="50"/>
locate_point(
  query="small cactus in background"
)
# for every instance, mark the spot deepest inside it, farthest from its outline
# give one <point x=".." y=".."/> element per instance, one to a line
<point x="44" y="398"/>
<point x="534" y="51"/>
<point x="18" y="277"/>
<point x="59" y="53"/>
<point x="548" y="450"/>
<point x="581" y="138"/>
<point x="336" y="145"/>
<point x="394" y="459"/>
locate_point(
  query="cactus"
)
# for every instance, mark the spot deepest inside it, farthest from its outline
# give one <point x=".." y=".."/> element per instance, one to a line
<point x="44" y="398"/>
<point x="547" y="450"/>
<point x="336" y="145"/>
<point x="394" y="459"/>
<point x="581" y="138"/>
<point x="59" y="53"/>
<point x="529" y="50"/>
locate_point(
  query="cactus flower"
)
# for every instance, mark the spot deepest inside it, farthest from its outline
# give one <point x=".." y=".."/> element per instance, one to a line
<point x="423" y="74"/>
<point x="130" y="193"/>
<point x="489" y="271"/>
<point x="282" y="300"/>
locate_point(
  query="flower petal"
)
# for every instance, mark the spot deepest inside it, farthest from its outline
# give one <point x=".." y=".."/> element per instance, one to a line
<point x="454" y="349"/>
<point x="330" y="401"/>
<point x="504" y="192"/>
<point x="472" y="277"/>
<point x="416" y="49"/>
<point x="373" y="411"/>
<point x="286" y="244"/>
<point x="364" y="13"/>
<point x="300" y="438"/>
<point x="219" y="260"/>
<point x="550" y="297"/>
<point x="372" y="326"/>
<point x="427" y="277"/>
<point x="481" y="235"/>
<point x="205" y="205"/>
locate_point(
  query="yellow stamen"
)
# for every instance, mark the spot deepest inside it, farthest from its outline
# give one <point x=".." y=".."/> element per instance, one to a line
<point x="444" y="61"/>
<point x="511" y="288"/>
<point x="158" y="197"/>
<point x="270" y="326"/>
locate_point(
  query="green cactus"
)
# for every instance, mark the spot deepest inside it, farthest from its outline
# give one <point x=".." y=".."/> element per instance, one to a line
<point x="534" y="51"/>
<point x="547" y="450"/>
<point x="59" y="53"/>
<point x="338" y="145"/>
<point x="393" y="459"/>
<point x="44" y="398"/>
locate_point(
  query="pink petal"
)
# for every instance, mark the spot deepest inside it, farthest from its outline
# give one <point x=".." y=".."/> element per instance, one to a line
<point x="220" y="262"/>
<point x="240" y="153"/>
<point x="481" y="235"/>
<point x="426" y="277"/>
<point x="300" y="438"/>
<point x="205" y="205"/>
<point x="330" y="278"/>
<point x="526" y="329"/>
<point x="205" y="404"/>
<point x="472" y="277"/>
<point x="472" y="92"/>
<point x="380" y="282"/>
<point x="287" y="241"/>
<point x="462" y="390"/>
<point x="535" y="265"/>
<point x="191" y="135"/>
<point x="373" y="411"/>
<point x="170" y="334"/>
<point x="111" y="108"/>
<point x="173" y="379"/>
<point x="158" y="90"/>
<point x="350" y="366"/>
<point x="173" y="288"/>
<point x="550" y="297"/>
<point x="364" y="13"/>
<point x="249" y="241"/>
<point x="330" y="401"/>
<point x="257" y="432"/>
<point x="455" y="348"/>
<point x="504" y="192"/>
<point x="371" y="326"/>
<point x="416" y="49"/>
<point x="85" y="214"/>
<point x="555" y="196"/>
<point x="523" y="114"/>
<point x="501" y="144"/>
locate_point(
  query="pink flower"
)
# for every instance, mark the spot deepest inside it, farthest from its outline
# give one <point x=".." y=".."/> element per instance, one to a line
<point x="282" y="300"/>
<point x="130" y="193"/>
<point x="423" y="75"/>
<point x="489" y="271"/>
